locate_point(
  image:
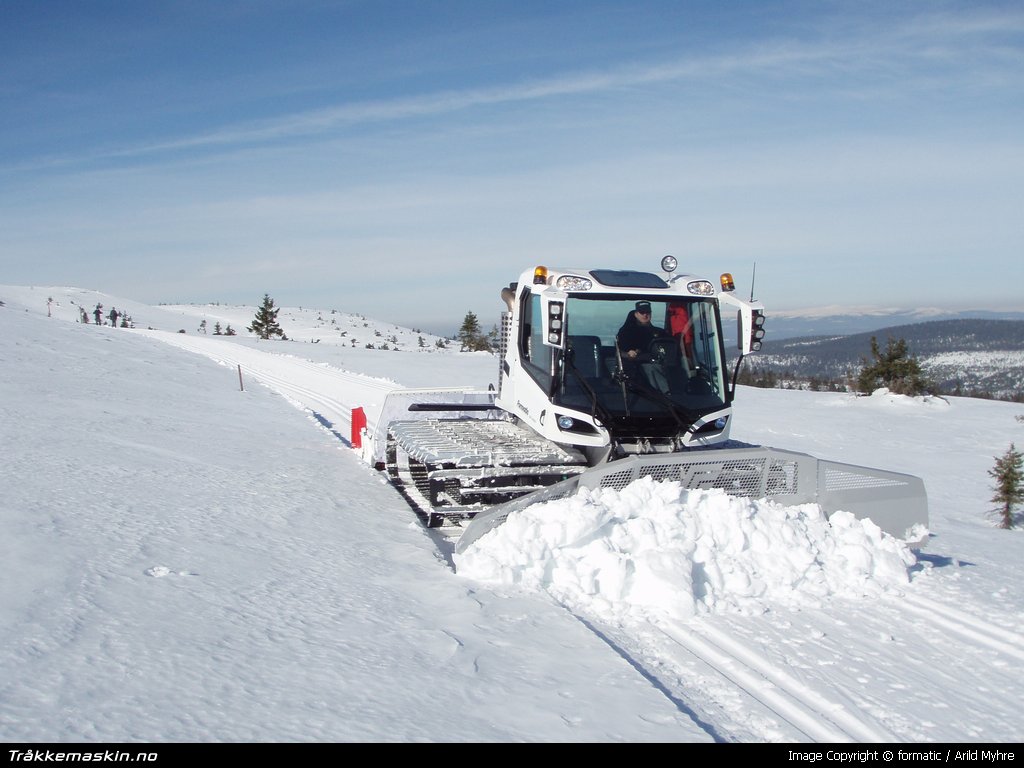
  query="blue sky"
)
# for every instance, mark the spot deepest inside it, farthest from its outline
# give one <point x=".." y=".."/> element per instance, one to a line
<point x="408" y="159"/>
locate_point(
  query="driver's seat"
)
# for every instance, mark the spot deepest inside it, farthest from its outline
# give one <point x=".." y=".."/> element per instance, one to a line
<point x="586" y="355"/>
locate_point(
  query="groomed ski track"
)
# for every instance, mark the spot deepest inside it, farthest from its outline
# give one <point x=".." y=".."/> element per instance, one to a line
<point x="724" y="671"/>
<point x="330" y="401"/>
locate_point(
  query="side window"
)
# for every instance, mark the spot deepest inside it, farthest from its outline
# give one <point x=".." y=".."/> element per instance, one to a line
<point x="535" y="354"/>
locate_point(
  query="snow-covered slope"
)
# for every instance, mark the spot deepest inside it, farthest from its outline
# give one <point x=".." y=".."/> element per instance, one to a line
<point x="305" y="325"/>
<point x="185" y="560"/>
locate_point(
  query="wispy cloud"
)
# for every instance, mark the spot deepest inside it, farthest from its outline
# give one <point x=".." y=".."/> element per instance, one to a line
<point x="325" y="120"/>
<point x="939" y="36"/>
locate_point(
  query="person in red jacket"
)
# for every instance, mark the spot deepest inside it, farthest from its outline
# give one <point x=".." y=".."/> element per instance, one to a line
<point x="680" y="325"/>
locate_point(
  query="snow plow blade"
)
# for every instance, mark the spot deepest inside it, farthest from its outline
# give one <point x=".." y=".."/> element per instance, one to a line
<point x="895" y="502"/>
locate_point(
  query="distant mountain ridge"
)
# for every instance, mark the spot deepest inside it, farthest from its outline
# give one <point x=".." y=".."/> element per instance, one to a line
<point x="961" y="356"/>
<point x="845" y="321"/>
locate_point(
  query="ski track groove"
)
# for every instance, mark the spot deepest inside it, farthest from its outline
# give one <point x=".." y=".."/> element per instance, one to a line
<point x="810" y="716"/>
<point x="796" y="703"/>
<point x="971" y="627"/>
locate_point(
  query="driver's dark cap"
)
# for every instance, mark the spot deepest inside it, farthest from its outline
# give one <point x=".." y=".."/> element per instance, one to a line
<point x="644" y="307"/>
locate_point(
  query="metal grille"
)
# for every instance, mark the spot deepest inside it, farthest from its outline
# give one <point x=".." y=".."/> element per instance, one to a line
<point x="617" y="480"/>
<point x="503" y="339"/>
<point x="664" y="472"/>
<point x="783" y="477"/>
<point x="755" y="476"/>
<point x="837" y="479"/>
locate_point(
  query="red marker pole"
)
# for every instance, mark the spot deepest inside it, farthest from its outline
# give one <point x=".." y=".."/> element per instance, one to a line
<point x="358" y="425"/>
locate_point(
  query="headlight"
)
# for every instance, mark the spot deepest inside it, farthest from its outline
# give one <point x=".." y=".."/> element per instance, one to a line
<point x="565" y="422"/>
<point x="573" y="283"/>
<point x="701" y="288"/>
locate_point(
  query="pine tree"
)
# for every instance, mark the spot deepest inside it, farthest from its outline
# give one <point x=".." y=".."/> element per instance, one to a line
<point x="894" y="369"/>
<point x="469" y="336"/>
<point x="265" y="323"/>
<point x="1009" y="476"/>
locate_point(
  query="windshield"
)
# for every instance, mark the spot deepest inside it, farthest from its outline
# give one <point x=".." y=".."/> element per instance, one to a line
<point x="627" y="363"/>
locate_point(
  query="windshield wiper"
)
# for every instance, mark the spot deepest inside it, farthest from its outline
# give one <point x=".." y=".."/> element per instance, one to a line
<point x="597" y="410"/>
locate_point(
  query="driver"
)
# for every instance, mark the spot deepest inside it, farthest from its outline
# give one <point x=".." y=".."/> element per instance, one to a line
<point x="634" y="341"/>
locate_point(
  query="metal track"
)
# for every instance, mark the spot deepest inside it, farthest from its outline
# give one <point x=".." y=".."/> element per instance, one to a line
<point x="452" y="469"/>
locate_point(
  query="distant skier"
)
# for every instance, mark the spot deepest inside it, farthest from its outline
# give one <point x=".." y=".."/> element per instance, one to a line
<point x="113" y="317"/>
<point x="98" y="314"/>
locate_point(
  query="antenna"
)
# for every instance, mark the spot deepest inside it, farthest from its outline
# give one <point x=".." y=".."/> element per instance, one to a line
<point x="753" y="275"/>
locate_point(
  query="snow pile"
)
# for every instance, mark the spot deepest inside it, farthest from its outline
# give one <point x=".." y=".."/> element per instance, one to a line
<point x="658" y="549"/>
